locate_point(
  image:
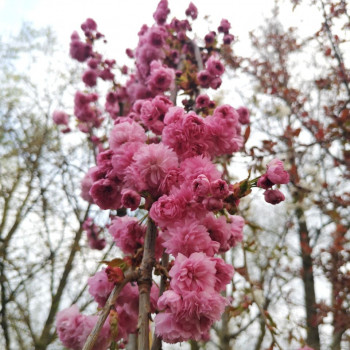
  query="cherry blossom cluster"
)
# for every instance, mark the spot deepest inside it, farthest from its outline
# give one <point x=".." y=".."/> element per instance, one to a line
<point x="275" y="175"/>
<point x="159" y="158"/>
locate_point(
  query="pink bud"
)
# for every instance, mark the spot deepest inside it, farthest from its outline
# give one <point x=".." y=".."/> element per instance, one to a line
<point x="130" y="199"/>
<point x="213" y="204"/>
<point x="201" y="186"/>
<point x="274" y="196"/>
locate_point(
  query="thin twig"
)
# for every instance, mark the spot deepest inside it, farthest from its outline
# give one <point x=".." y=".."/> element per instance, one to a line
<point x="262" y="311"/>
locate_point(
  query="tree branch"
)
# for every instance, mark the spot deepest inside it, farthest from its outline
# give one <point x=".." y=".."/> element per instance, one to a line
<point x="90" y="342"/>
<point x="145" y="282"/>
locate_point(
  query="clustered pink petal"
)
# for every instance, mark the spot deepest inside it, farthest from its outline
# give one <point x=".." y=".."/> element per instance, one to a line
<point x="127" y="233"/>
<point x="276" y="173"/>
<point x="73" y="329"/>
<point x="192" y="304"/>
<point x="93" y="232"/>
<point x="60" y="118"/>
<point x="79" y="50"/>
<point x="130" y="199"/>
<point x="162" y="12"/>
<point x="106" y="194"/>
<point x="100" y="288"/>
<point x="149" y="167"/>
<point x="192" y="11"/>
<point x="161" y="78"/>
<point x="244" y="115"/>
<point x="187" y="237"/>
<point x="126" y="132"/>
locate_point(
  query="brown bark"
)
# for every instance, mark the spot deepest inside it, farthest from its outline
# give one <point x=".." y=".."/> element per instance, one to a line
<point x="157" y="342"/>
<point x="145" y="282"/>
<point x="313" y="336"/>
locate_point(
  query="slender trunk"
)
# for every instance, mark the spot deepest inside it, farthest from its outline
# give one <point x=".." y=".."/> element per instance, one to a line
<point x="336" y="342"/>
<point x="224" y="332"/>
<point x="157" y="342"/>
<point x="313" y="336"/>
<point x="194" y="345"/>
<point x="262" y="334"/>
<point x="145" y="282"/>
<point x="132" y="342"/>
<point x="3" y="312"/>
<point x="47" y="336"/>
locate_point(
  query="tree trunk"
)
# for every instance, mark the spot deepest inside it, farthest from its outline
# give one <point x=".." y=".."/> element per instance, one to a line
<point x="145" y="282"/>
<point x="313" y="336"/>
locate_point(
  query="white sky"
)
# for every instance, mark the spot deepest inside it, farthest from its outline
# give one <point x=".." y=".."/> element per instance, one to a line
<point x="120" y="20"/>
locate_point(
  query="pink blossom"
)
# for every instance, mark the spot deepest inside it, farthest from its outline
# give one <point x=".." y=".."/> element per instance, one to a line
<point x="85" y="186"/>
<point x="237" y="224"/>
<point x="161" y="78"/>
<point x="228" y="38"/>
<point x="127" y="233"/>
<point x="90" y="77"/>
<point x="244" y="115"/>
<point x="193" y="273"/>
<point x="167" y="209"/>
<point x="224" y="274"/>
<point x="74" y="328"/>
<point x="60" y="118"/>
<point x="123" y="157"/>
<point x="171" y="179"/>
<point x="204" y="78"/>
<point x="274" y="196"/>
<point x="99" y="287"/>
<point x="201" y="186"/>
<point x="264" y="182"/>
<point x="276" y="173"/>
<point x="192" y="11"/>
<point x="219" y="189"/>
<point x="202" y="101"/>
<point x="126" y="132"/>
<point x="169" y="329"/>
<point x="79" y="50"/>
<point x="210" y="38"/>
<point x="219" y="230"/>
<point x="194" y="126"/>
<point x="149" y="167"/>
<point x="89" y="24"/>
<point x="224" y="26"/>
<point x="215" y="67"/>
<point x="162" y="12"/>
<point x="213" y="204"/>
<point x="69" y="324"/>
<point x="215" y="83"/>
<point x="93" y="232"/>
<point x="192" y="167"/>
<point x="174" y="115"/>
<point x="112" y="104"/>
<point x="106" y="194"/>
<point x="130" y="199"/>
<point x="188" y="236"/>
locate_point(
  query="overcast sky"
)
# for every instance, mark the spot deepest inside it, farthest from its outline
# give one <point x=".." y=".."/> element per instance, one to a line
<point x="120" y="20"/>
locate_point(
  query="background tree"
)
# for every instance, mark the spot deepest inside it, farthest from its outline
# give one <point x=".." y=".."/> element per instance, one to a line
<point x="300" y="108"/>
<point x="41" y="227"/>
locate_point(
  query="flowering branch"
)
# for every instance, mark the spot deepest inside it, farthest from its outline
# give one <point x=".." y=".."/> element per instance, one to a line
<point x="90" y="342"/>
<point x="144" y="282"/>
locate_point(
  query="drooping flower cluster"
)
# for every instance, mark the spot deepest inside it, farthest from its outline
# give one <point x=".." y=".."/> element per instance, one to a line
<point x="275" y="175"/>
<point x="160" y="158"/>
<point x="93" y="232"/>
